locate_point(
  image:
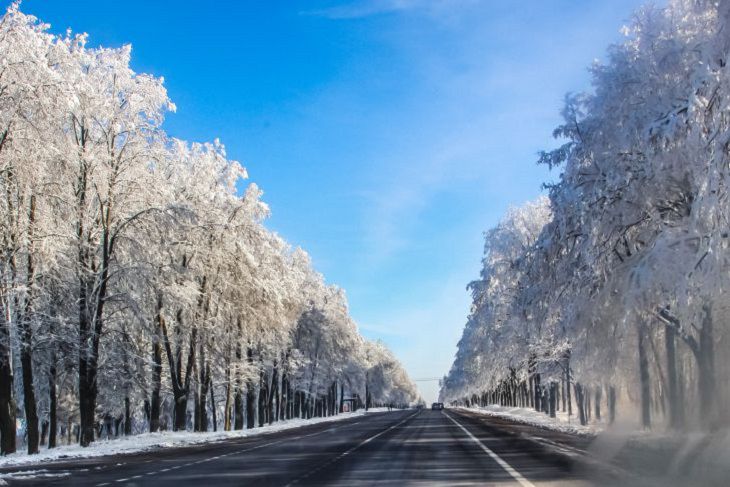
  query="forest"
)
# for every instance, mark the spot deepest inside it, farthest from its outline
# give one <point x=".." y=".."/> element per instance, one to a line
<point x="140" y="289"/>
<point x="608" y="297"/>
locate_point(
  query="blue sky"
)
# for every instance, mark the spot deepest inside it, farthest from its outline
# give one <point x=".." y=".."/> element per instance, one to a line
<point x="386" y="134"/>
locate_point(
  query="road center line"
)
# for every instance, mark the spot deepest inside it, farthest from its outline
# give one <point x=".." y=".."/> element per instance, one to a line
<point x="296" y="438"/>
<point x="508" y="468"/>
<point x="347" y="452"/>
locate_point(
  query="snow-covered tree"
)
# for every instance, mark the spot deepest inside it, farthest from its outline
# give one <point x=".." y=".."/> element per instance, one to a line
<point x="139" y="286"/>
<point x="636" y="247"/>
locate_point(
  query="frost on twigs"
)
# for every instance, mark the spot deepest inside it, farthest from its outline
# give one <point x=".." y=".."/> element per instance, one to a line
<point x="614" y="302"/>
<point x="140" y="288"/>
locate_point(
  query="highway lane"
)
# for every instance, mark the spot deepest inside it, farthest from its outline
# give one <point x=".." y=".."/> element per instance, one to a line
<point x="270" y="459"/>
<point x="454" y="449"/>
<point x="384" y="449"/>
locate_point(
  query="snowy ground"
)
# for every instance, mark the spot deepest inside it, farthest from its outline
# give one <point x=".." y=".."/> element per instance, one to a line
<point x="562" y="422"/>
<point x="167" y="439"/>
<point x="700" y="458"/>
<point x="679" y="458"/>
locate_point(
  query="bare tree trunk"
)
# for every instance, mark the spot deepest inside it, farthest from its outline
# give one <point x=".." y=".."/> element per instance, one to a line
<point x="44" y="431"/>
<point x="367" y="393"/>
<point x="272" y="392"/>
<point x="342" y="397"/>
<point x="251" y="405"/>
<point x="127" y="417"/>
<point x="297" y="405"/>
<point x="204" y="377"/>
<point x="580" y="403"/>
<point x="227" y="407"/>
<point x="675" y="406"/>
<point x="644" y="378"/>
<point x="26" y="346"/>
<point x="91" y="326"/>
<point x="87" y="398"/>
<point x="196" y="408"/>
<point x="611" y="404"/>
<point x="238" y="391"/>
<point x="29" y="403"/>
<point x="212" y="409"/>
<point x="703" y="351"/>
<point x="568" y="379"/>
<point x="553" y="397"/>
<point x="568" y="393"/>
<point x="180" y="383"/>
<point x="285" y="398"/>
<point x="328" y="401"/>
<point x="156" y="368"/>
<point x="238" y="405"/>
<point x="7" y="402"/>
<point x="531" y="379"/>
<point x="180" y="421"/>
<point x="706" y="369"/>
<point x="250" y="395"/>
<point x="52" y="400"/>
<point x="263" y="393"/>
<point x="155" y="400"/>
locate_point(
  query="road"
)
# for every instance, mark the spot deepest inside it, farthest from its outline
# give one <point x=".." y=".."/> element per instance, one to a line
<point x="410" y="447"/>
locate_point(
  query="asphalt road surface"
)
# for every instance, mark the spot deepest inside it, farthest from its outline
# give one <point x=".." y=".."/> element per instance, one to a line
<point x="410" y="447"/>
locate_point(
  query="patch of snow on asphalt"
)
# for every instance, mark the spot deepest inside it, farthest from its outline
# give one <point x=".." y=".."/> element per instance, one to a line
<point x="31" y="475"/>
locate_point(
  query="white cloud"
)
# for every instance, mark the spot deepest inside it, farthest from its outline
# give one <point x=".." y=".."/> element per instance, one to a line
<point x="367" y="8"/>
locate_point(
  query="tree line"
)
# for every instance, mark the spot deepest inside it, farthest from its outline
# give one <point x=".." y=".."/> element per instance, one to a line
<point x="610" y="294"/>
<point x="139" y="287"/>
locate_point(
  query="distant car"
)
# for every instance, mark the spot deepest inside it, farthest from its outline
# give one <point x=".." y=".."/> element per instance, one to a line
<point x="437" y="406"/>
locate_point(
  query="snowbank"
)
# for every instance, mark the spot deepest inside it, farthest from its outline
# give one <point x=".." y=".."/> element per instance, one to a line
<point x="166" y="439"/>
<point x="562" y="422"/>
<point x="665" y="458"/>
<point x="681" y="458"/>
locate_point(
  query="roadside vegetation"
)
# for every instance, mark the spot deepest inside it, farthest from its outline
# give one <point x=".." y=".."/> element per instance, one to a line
<point x="608" y="297"/>
<point x="140" y="289"/>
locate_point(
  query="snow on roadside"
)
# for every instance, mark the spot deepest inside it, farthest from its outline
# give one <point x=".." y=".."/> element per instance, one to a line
<point x="562" y="422"/>
<point x="695" y="457"/>
<point x="27" y="475"/>
<point x="166" y="439"/>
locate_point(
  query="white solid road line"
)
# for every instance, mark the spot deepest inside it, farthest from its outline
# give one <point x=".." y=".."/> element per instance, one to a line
<point x="508" y="468"/>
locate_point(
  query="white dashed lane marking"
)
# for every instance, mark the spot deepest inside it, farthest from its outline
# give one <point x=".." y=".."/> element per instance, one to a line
<point x="244" y="450"/>
<point x="345" y="453"/>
